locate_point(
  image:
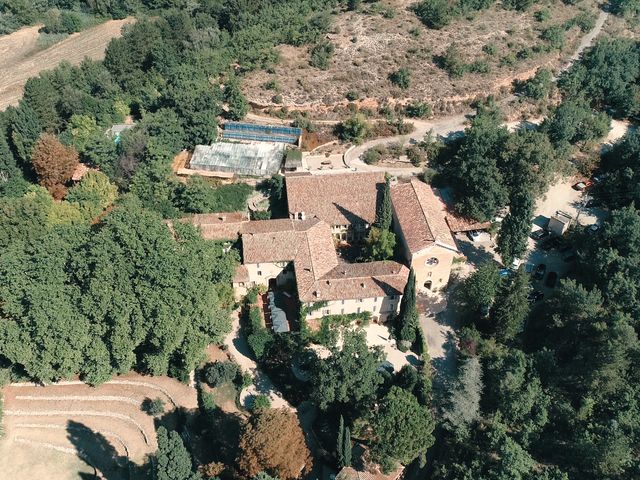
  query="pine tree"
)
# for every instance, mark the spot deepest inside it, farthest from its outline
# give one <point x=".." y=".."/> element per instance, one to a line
<point x="340" y="442"/>
<point x="173" y="460"/>
<point x="408" y="317"/>
<point x="346" y="449"/>
<point x="385" y="213"/>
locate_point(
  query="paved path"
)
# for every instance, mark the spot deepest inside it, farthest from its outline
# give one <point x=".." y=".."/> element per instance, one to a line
<point x="241" y="353"/>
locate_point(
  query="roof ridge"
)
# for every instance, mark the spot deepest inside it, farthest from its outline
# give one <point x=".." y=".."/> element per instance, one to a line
<point x="424" y="214"/>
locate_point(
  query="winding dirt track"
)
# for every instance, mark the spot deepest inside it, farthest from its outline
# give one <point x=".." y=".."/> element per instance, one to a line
<point x="21" y="60"/>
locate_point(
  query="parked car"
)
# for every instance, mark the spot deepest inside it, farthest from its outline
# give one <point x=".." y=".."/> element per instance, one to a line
<point x="552" y="279"/>
<point x="540" y="234"/>
<point x="505" y="272"/>
<point x="473" y="235"/>
<point x="591" y="229"/>
<point x="541" y="269"/>
<point x="580" y="186"/>
<point x="535" y="296"/>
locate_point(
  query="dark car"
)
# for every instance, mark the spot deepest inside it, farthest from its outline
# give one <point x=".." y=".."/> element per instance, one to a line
<point x="535" y="296"/>
<point x="539" y="272"/>
<point x="552" y="279"/>
<point x="539" y="234"/>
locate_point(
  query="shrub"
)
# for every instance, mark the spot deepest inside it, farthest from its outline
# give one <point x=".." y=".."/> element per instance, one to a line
<point x="277" y="99"/>
<point x="418" y="110"/>
<point x="321" y="54"/>
<point x="153" y="407"/>
<point x="433" y="13"/>
<point x="374" y="154"/>
<point x="490" y="49"/>
<point x="354" y="129"/>
<point x="218" y="373"/>
<point x="259" y="341"/>
<point x="352" y="95"/>
<point x="554" y="36"/>
<point x="542" y="15"/>
<point x="451" y="62"/>
<point x="401" y="78"/>
<point x="260" y="402"/>
<point x="416" y="155"/>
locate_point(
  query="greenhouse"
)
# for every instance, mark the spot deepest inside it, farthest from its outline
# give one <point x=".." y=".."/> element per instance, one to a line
<point x="253" y="159"/>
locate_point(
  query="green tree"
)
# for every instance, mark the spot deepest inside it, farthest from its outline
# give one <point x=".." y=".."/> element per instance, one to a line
<point x="573" y="121"/>
<point x="479" y="187"/>
<point x="340" y="443"/>
<point x="354" y="129"/>
<point x="511" y="308"/>
<point x="25" y="129"/>
<point x="402" y="428"/>
<point x="515" y="228"/>
<point x="407" y="320"/>
<point x="173" y="460"/>
<point x="93" y="194"/>
<point x="384" y="217"/>
<point x="349" y="377"/>
<point x="463" y="406"/>
<point x="346" y="448"/>
<point x="380" y="244"/>
<point x="480" y="288"/>
<point x="236" y="101"/>
<point x="539" y="86"/>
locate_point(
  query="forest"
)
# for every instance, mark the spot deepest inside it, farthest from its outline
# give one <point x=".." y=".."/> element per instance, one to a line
<point x="94" y="283"/>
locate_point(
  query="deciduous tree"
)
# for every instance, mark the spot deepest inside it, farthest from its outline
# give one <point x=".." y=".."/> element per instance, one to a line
<point x="273" y="442"/>
<point x="53" y="162"/>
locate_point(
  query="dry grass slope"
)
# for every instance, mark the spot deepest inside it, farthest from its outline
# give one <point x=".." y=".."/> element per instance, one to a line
<point x="20" y="58"/>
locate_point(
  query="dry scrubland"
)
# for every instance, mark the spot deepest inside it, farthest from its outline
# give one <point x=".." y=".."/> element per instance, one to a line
<point x="369" y="47"/>
<point x="20" y="57"/>
<point x="72" y="425"/>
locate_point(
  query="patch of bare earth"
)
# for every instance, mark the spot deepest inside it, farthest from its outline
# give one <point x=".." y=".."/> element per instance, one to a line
<point x="369" y="47"/>
<point x="103" y="427"/>
<point x="21" y="60"/>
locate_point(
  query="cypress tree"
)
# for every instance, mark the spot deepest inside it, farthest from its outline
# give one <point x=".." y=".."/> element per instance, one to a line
<point x="408" y="317"/>
<point x="385" y="213"/>
<point x="340" y="442"/>
<point x="346" y="449"/>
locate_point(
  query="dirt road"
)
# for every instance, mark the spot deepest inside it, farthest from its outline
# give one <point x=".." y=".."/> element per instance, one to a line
<point x="21" y="60"/>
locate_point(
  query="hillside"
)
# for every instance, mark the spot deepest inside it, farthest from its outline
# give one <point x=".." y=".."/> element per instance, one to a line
<point x="21" y="59"/>
<point x="368" y="47"/>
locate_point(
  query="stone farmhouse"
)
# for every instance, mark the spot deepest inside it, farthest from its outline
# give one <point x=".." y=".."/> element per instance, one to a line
<point x="327" y="209"/>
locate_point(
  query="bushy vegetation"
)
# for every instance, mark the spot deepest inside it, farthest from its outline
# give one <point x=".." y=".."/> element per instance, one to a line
<point x="219" y="373"/>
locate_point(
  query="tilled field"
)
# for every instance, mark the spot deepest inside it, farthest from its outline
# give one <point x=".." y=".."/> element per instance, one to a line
<point x="104" y="426"/>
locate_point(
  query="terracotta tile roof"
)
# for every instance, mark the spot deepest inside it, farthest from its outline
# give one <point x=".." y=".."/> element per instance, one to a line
<point x="319" y="276"/>
<point x="218" y="226"/>
<point x="241" y="274"/>
<point x="421" y="216"/>
<point x="462" y="224"/>
<point x="357" y="280"/>
<point x="340" y="199"/>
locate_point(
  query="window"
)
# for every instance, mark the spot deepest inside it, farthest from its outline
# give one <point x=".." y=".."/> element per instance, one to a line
<point x="431" y="262"/>
<point x="373" y="309"/>
<point x="359" y="300"/>
<point x="327" y="311"/>
<point x="259" y="273"/>
<point x="429" y="274"/>
<point x="342" y="312"/>
<point x="343" y="302"/>
<point x="392" y="307"/>
<point x="300" y="216"/>
<point x="359" y="310"/>
<point x="257" y="265"/>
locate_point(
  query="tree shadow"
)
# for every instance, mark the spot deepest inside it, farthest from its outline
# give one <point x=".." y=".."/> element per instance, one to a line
<point x="99" y="453"/>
